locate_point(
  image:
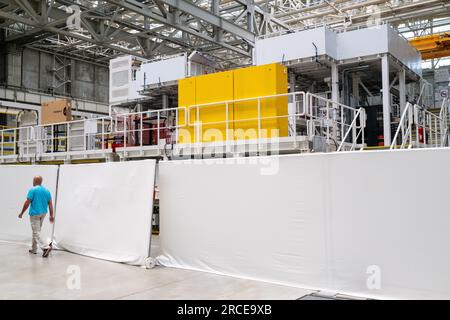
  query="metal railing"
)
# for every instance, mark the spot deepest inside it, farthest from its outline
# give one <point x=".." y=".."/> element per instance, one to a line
<point x="297" y="116"/>
<point x="426" y="96"/>
<point x="33" y="141"/>
<point x="337" y="122"/>
<point x="248" y="118"/>
<point x="405" y="128"/>
<point x="419" y="127"/>
<point x="148" y="128"/>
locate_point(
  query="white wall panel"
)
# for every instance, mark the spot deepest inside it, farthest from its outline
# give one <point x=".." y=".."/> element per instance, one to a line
<point x="292" y="46"/>
<point x="321" y="221"/>
<point x="104" y="210"/>
<point x="363" y="42"/>
<point x="400" y="48"/>
<point x="15" y="181"/>
<point x="340" y="46"/>
<point x="163" y="71"/>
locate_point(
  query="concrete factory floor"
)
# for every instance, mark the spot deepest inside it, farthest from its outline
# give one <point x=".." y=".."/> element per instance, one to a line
<point x="25" y="276"/>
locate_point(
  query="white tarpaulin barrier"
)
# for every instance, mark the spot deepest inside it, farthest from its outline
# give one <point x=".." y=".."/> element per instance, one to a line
<point x="104" y="210"/>
<point x="372" y="224"/>
<point x="15" y="181"/>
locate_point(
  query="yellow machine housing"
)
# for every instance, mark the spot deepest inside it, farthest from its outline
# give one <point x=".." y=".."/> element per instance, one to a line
<point x="211" y="88"/>
<point x="259" y="81"/>
<point x="186" y="98"/>
<point x="251" y="82"/>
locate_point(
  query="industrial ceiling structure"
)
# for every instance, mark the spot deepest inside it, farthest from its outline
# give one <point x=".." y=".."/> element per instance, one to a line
<point x="226" y="30"/>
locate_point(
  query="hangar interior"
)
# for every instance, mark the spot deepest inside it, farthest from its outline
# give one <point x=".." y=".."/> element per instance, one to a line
<point x="111" y="98"/>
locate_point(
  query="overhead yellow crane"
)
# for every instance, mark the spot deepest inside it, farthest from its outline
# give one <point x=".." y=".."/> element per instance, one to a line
<point x="433" y="46"/>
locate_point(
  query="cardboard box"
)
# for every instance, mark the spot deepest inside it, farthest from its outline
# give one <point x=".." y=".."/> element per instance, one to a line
<point x="56" y="111"/>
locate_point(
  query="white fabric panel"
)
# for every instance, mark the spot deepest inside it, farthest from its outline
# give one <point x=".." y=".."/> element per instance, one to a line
<point x="320" y="221"/>
<point x="397" y="219"/>
<point x="15" y="181"/>
<point x="231" y="219"/>
<point x="104" y="210"/>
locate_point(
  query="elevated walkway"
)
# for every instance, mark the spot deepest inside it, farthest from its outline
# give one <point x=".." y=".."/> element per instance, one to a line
<point x="316" y="124"/>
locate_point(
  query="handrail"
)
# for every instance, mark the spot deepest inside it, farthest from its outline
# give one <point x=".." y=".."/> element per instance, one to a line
<point x="400" y="126"/>
<point x="444" y="116"/>
<point x="128" y="130"/>
<point x="427" y="124"/>
<point x="330" y="101"/>
<point x="247" y="99"/>
<point x="424" y="84"/>
<point x="227" y="103"/>
<point x="333" y="119"/>
<point x="352" y="127"/>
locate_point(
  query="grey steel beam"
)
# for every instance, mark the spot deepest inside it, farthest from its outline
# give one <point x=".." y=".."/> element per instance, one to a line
<point x="59" y="16"/>
<point x="67" y="33"/>
<point x="211" y="18"/>
<point x="172" y="21"/>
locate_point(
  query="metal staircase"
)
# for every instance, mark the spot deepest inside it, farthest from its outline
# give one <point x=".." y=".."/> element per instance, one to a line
<point x="422" y="128"/>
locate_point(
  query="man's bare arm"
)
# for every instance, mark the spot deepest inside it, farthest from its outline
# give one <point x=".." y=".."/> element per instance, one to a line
<point x="50" y="209"/>
<point x="25" y="207"/>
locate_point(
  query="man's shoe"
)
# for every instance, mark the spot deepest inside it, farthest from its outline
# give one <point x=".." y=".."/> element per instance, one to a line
<point x="47" y="252"/>
<point x="32" y="252"/>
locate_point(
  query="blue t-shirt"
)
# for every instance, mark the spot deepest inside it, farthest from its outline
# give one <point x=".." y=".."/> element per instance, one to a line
<point x="39" y="197"/>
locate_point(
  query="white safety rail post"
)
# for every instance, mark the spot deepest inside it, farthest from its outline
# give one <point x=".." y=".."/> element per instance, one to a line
<point x="141" y="132"/>
<point x="85" y="137"/>
<point x="443" y="114"/>
<point x="3" y="141"/>
<point x="28" y="142"/>
<point x="436" y="141"/>
<point x="416" y="124"/>
<point x="16" y="134"/>
<point x="124" y="132"/>
<point x="404" y="127"/>
<point x="259" y="124"/>
<point x="158" y="133"/>
<point x="354" y="128"/>
<point x="198" y="130"/>
<point x="429" y="124"/>
<point x="227" y="125"/>
<point x="327" y="120"/>
<point x="68" y="144"/>
<point x="175" y="131"/>
<point x="102" y="137"/>
<point x="294" y="118"/>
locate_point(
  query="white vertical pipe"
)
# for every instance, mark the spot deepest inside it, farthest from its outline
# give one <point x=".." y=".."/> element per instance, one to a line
<point x="334" y="82"/>
<point x="402" y="89"/>
<point x="386" y="100"/>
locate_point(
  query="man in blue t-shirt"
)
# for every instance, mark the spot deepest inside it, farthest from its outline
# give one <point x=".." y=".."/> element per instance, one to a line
<point x="38" y="200"/>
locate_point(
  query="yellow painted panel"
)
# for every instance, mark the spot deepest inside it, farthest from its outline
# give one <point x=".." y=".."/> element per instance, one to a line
<point x="260" y="81"/>
<point x="186" y="98"/>
<point x="210" y="88"/>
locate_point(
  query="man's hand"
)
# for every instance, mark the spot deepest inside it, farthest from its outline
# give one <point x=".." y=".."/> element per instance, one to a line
<point x="25" y="207"/>
<point x="52" y="219"/>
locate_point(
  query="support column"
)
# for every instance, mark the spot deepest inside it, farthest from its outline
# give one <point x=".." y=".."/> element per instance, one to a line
<point x="165" y="101"/>
<point x="402" y="89"/>
<point x="291" y="82"/>
<point x="386" y="100"/>
<point x="355" y="89"/>
<point x="334" y="82"/>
